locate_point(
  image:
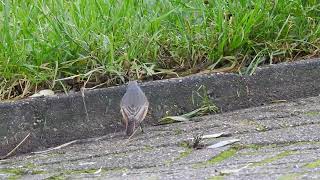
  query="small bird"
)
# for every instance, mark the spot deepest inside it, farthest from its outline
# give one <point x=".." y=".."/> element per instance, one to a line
<point x="134" y="107"/>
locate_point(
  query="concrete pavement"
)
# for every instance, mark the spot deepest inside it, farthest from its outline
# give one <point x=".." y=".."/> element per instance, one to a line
<point x="277" y="141"/>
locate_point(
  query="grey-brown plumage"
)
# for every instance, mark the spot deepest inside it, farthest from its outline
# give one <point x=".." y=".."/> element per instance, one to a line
<point x="134" y="107"/>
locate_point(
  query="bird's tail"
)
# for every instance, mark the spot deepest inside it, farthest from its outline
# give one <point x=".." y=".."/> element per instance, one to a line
<point x="130" y="128"/>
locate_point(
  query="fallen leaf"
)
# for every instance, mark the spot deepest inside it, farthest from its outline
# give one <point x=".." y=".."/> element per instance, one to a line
<point x="279" y="101"/>
<point x="201" y="111"/>
<point x="214" y="135"/>
<point x="223" y="143"/>
<point x="209" y="136"/>
<point x="42" y="93"/>
<point x="230" y="171"/>
<point x="86" y="163"/>
<point x="55" y="148"/>
<point x="98" y="171"/>
<point x="173" y="119"/>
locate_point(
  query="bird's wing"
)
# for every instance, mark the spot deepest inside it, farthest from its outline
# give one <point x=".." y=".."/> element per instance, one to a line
<point x="125" y="117"/>
<point x="136" y="112"/>
<point x="142" y="113"/>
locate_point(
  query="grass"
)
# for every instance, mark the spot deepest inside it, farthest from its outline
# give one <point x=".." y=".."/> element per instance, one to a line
<point x="200" y="99"/>
<point x="63" y="45"/>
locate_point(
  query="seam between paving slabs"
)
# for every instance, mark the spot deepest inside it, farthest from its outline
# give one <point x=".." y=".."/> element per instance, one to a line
<point x="236" y="149"/>
<point x="144" y="148"/>
<point x="217" y="159"/>
<point x="274" y="158"/>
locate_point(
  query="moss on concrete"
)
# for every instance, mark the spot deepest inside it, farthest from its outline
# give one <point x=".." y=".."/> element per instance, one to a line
<point x="250" y="146"/>
<point x="312" y="113"/>
<point x="313" y="164"/>
<point x="178" y="131"/>
<point x="29" y="165"/>
<point x="255" y="147"/>
<point x="77" y="171"/>
<point x="216" y="178"/>
<point x="222" y="156"/>
<point x="184" y="144"/>
<point x="14" y="177"/>
<point x="292" y="176"/>
<point x="274" y="158"/>
<point x="184" y="154"/>
<point x="82" y="171"/>
<point x="148" y="148"/>
<point x="15" y="171"/>
<point x="56" y="177"/>
<point x="217" y="159"/>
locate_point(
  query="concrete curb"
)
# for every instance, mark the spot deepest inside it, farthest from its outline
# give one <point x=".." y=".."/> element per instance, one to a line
<point x="56" y="120"/>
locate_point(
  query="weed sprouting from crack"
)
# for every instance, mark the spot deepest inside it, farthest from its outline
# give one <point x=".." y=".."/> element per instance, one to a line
<point x="196" y="142"/>
<point x="206" y="105"/>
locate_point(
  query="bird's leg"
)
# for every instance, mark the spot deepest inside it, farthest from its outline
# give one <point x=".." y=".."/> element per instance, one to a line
<point x="141" y="126"/>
